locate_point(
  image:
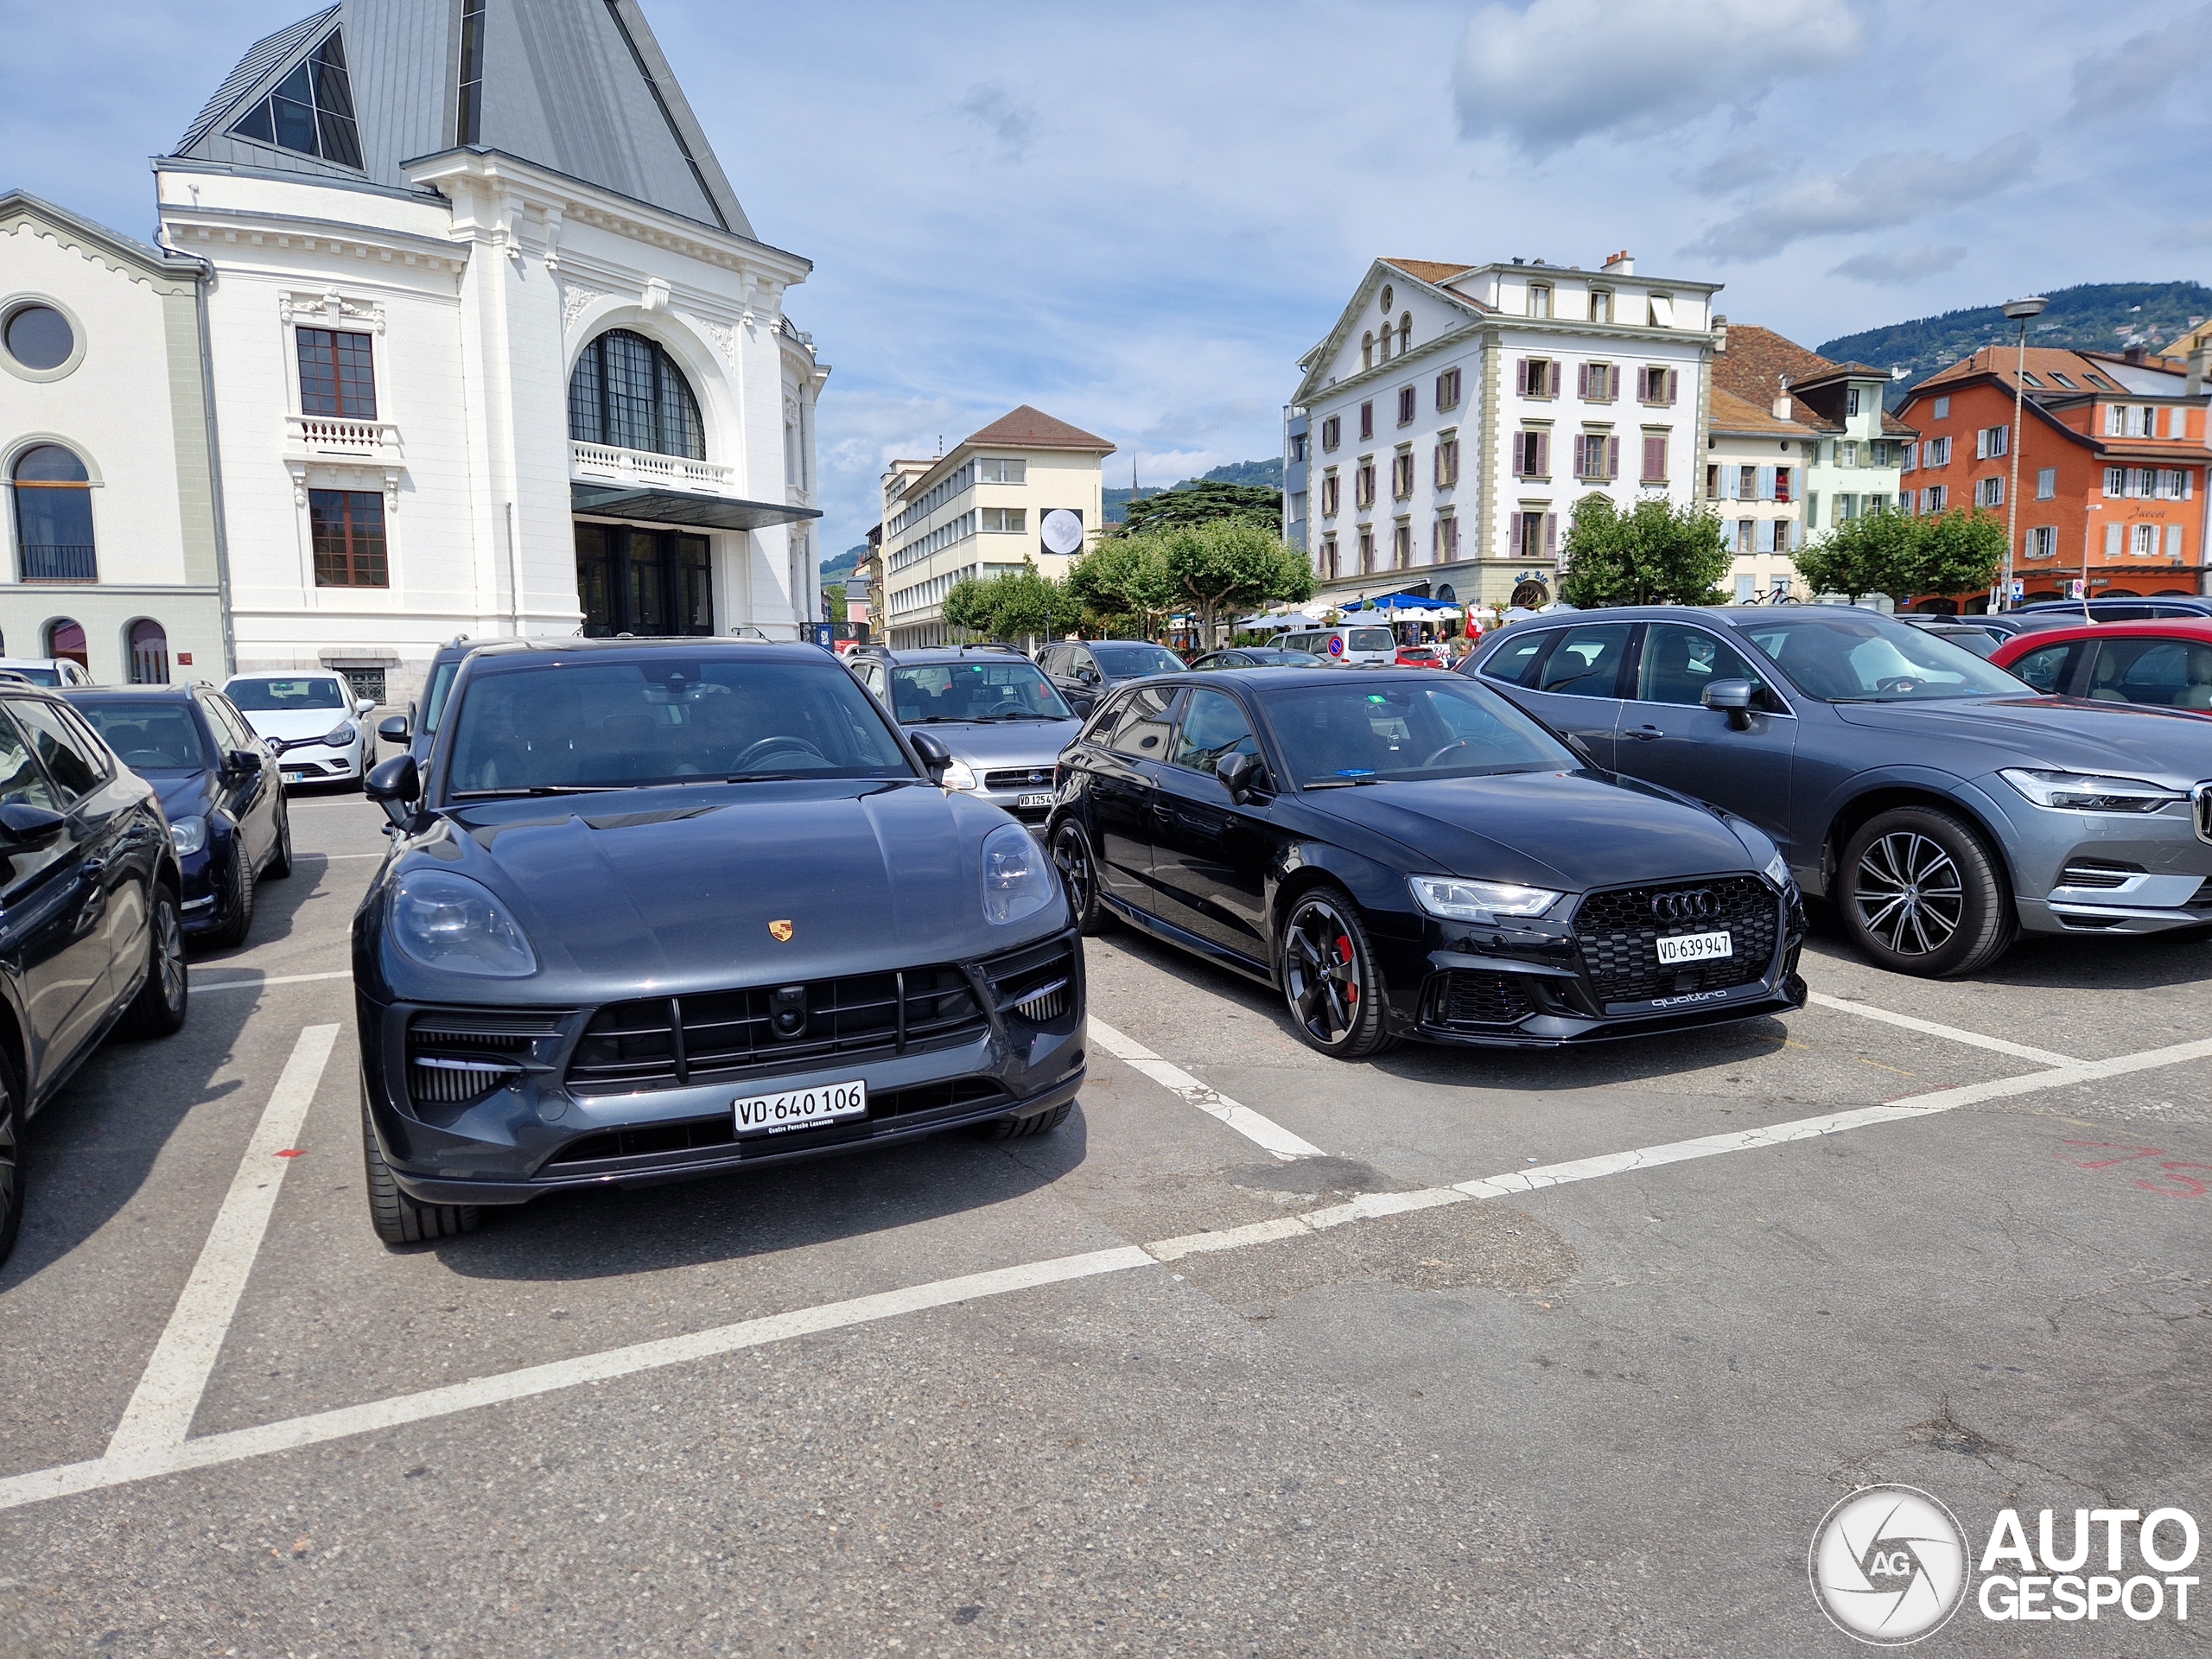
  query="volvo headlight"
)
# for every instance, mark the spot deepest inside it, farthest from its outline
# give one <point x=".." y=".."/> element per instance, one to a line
<point x="1017" y="876"/>
<point x="1458" y="900"/>
<point x="456" y="925"/>
<point x="2086" y="791"/>
<point x="189" y="835"/>
<point x="341" y="735"/>
<point x="958" y="776"/>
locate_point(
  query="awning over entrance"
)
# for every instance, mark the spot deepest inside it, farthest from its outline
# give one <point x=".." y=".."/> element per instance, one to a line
<point x="682" y="507"/>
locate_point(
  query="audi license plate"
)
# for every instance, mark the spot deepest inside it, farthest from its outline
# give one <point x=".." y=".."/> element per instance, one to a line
<point x="1033" y="803"/>
<point x="802" y="1109"/>
<point x="1695" y="947"/>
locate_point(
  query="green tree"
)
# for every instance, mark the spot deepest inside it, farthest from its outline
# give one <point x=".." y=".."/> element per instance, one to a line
<point x="835" y="595"/>
<point x="1875" y="553"/>
<point x="1224" y="565"/>
<point x="1654" y="554"/>
<point x="1012" y="604"/>
<point x="1959" y="552"/>
<point x="1122" y="577"/>
<point x="970" y="606"/>
<point x="1202" y="502"/>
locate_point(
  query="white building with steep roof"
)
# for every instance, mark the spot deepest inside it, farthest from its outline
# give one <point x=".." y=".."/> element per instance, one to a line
<point x="494" y="348"/>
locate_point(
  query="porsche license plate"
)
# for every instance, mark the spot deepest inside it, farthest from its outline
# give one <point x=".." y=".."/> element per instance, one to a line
<point x="800" y="1108"/>
<point x="1695" y="947"/>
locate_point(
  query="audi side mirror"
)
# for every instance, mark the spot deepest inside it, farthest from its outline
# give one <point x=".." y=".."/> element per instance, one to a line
<point x="1244" y="775"/>
<point x="23" y="826"/>
<point x="242" y="763"/>
<point x="935" y="758"/>
<point x="1733" y="699"/>
<point x="393" y="729"/>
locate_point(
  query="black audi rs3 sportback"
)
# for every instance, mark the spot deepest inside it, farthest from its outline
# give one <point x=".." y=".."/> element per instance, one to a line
<point x="659" y="909"/>
<point x="1404" y="854"/>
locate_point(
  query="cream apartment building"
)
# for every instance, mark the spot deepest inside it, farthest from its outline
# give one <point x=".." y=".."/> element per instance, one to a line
<point x="1455" y="414"/>
<point x="1756" y="463"/>
<point x="1026" y="489"/>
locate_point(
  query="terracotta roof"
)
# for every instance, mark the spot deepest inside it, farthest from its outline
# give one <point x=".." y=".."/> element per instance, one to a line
<point x="1758" y="360"/>
<point x="1033" y="429"/>
<point x="1735" y="414"/>
<point x="2043" y="362"/>
<point x="1427" y="270"/>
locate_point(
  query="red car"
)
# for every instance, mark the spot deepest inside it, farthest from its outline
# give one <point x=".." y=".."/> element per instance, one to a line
<point x="2158" y="664"/>
<point x="1421" y="657"/>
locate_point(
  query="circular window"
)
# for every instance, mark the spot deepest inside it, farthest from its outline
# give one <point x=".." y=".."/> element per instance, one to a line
<point x="40" y="337"/>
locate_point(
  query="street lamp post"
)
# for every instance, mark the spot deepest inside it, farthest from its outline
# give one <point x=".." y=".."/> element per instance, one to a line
<point x="2020" y="311"/>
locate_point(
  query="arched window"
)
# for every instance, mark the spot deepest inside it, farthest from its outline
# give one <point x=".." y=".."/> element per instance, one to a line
<point x="66" y="638"/>
<point x="628" y="394"/>
<point x="53" y="516"/>
<point x="1367" y="350"/>
<point x="150" y="653"/>
<point x="1406" y="332"/>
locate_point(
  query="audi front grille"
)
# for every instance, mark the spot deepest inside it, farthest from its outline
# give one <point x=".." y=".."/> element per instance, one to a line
<point x="1618" y="933"/>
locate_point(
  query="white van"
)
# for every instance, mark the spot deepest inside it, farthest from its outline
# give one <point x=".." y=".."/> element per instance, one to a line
<point x="1343" y="647"/>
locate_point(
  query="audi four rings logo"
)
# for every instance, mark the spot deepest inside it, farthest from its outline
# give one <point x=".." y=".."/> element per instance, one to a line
<point x="1691" y="905"/>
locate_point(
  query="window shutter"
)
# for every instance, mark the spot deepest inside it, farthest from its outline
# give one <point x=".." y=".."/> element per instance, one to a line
<point x="1551" y="534"/>
<point x="1521" y="377"/>
<point x="1612" y="457"/>
<point x="1582" y="379"/>
<point x="1643" y="385"/>
<point x="2173" y="541"/>
<point x="2113" y="535"/>
<point x="1553" y="385"/>
<point x="1674" y="377"/>
<point x="2188" y="483"/>
<point x="1543" y="454"/>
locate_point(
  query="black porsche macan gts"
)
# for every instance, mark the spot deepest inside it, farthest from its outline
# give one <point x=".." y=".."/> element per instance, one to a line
<point x="1404" y="854"/>
<point x="660" y="909"/>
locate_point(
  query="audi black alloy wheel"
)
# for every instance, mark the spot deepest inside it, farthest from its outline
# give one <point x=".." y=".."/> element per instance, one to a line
<point x="1329" y="980"/>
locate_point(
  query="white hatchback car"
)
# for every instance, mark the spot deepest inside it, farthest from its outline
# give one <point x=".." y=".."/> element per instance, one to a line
<point x="314" y="720"/>
<point x="60" y="672"/>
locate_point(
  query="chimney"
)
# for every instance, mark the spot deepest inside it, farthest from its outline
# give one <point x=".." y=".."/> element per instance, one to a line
<point x="1720" y="334"/>
<point x="1619" y="264"/>
<point x="2134" y="354"/>
<point x="2194" y="383"/>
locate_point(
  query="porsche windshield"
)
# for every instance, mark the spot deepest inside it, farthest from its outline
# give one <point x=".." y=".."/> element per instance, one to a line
<point x="1335" y="736"/>
<point x="1845" y="659"/>
<point x="548" y="725"/>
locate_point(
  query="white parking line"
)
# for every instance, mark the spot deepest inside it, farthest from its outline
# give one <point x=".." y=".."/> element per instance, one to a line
<point x="150" y="1454"/>
<point x="1997" y="1045"/>
<point x="200" y="985"/>
<point x="160" y="1412"/>
<point x="1211" y="1100"/>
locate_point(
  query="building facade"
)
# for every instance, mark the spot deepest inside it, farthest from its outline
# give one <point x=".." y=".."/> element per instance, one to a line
<point x="2112" y="468"/>
<point x="1756" y="463"/>
<point x="1455" y="415"/>
<point x="494" y="349"/>
<point x="113" y="540"/>
<point x="1026" y="489"/>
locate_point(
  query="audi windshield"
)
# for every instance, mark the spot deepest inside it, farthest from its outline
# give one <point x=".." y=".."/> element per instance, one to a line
<point x="1333" y="736"/>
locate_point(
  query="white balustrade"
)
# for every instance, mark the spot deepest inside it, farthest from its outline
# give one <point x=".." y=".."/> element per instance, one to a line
<point x="600" y="462"/>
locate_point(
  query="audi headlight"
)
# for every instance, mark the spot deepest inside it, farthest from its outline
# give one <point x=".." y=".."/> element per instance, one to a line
<point x="2086" y="791"/>
<point x="958" y="776"/>
<point x="456" y="925"/>
<point x="1458" y="900"/>
<point x="1017" y="876"/>
<point x="189" y="835"/>
<point x="341" y="734"/>
<point x="1778" y="871"/>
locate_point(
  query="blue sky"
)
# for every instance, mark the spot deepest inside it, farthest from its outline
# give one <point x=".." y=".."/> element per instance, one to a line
<point x="1137" y="217"/>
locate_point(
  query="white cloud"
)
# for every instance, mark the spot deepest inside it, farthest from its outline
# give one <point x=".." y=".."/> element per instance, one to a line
<point x="1563" y="70"/>
<point x="1010" y="119"/>
<point x="2196" y="233"/>
<point x="1900" y="265"/>
<point x="2134" y="78"/>
<point x="1879" y="192"/>
<point x="1734" y="171"/>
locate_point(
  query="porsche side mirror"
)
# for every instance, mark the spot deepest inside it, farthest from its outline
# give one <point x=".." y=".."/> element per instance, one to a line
<point x="934" y="756"/>
<point x="393" y="729"/>
<point x="23" y="826"/>
<point x="394" y="784"/>
<point x="1733" y="699"/>
<point x="242" y="763"/>
<point x="1243" y="775"/>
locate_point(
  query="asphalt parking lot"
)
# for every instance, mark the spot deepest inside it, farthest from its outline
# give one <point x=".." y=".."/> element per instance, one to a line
<point x="1261" y="1354"/>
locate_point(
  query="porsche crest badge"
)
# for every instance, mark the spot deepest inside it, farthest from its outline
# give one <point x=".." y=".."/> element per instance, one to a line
<point x="780" y="933"/>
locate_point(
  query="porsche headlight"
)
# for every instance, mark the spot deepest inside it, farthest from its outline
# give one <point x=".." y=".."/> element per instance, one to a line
<point x="1456" y="900"/>
<point x="958" y="776"/>
<point x="456" y="925"/>
<point x="2083" y="792"/>
<point x="189" y="835"/>
<point x="1017" y="876"/>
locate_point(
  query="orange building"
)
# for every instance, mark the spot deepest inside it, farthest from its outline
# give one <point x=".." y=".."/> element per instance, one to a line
<point x="2113" y="449"/>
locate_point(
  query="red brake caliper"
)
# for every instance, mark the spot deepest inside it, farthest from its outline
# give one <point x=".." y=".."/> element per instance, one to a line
<point x="1343" y="954"/>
